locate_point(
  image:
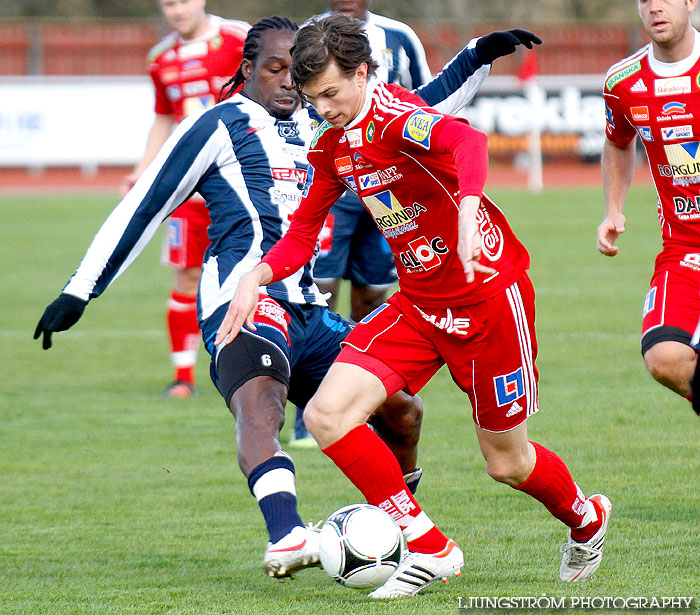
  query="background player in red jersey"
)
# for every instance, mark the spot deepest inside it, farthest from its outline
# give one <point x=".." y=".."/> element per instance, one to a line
<point x="655" y="93"/>
<point x="465" y="300"/>
<point x="188" y="68"/>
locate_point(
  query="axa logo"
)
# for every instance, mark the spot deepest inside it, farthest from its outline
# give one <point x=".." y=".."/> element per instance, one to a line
<point x="423" y="254"/>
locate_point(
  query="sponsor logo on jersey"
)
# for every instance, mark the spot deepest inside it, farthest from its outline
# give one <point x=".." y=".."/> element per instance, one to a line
<point x="691" y="261"/>
<point x="671" y="133"/>
<point x="287" y="129"/>
<point x="168" y="75"/>
<point x="423" y="254"/>
<point x="392" y="218"/>
<point x="354" y="137"/>
<point x="350" y="182"/>
<point x="645" y="133"/>
<point x="448" y="323"/>
<point x="683" y="163"/>
<point x="369" y="181"/>
<point x="195" y="88"/>
<point x="253" y="129"/>
<point x="360" y="162"/>
<point x="195" y="49"/>
<point x="673" y="107"/>
<point x="192" y="64"/>
<point x="491" y="235"/>
<point x="196" y="104"/>
<point x="639" y="86"/>
<point x="319" y="132"/>
<point x="370" y="132"/>
<point x="672" y="86"/>
<point x="649" y="301"/>
<point x="620" y="75"/>
<point x="419" y="126"/>
<point x="173" y="92"/>
<point x="388" y="176"/>
<point x="686" y="207"/>
<point x="343" y="165"/>
<point x="509" y="387"/>
<point x="640" y="114"/>
<point x="289" y="175"/>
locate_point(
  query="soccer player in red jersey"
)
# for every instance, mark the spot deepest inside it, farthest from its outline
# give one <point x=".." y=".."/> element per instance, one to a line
<point x="655" y="93"/>
<point x="188" y="68"/>
<point x="465" y="300"/>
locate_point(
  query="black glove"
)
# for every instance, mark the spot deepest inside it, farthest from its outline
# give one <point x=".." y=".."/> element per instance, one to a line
<point x="502" y="43"/>
<point x="61" y="314"/>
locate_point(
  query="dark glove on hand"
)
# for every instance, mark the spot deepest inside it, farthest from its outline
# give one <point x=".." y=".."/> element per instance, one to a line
<point x="502" y="43"/>
<point x="59" y="315"/>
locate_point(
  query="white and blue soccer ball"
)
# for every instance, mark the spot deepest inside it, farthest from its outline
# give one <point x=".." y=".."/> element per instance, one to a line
<point x="360" y="546"/>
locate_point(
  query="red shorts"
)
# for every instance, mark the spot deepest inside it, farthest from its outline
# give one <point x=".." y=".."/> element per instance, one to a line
<point x="674" y="297"/>
<point x="490" y="349"/>
<point x="186" y="237"/>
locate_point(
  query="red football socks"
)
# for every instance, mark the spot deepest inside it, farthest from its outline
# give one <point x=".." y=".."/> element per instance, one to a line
<point x="184" y="334"/>
<point x="551" y="484"/>
<point x="371" y="466"/>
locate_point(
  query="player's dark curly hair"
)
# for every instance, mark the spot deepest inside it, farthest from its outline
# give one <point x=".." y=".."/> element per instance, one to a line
<point x="336" y="38"/>
<point x="252" y="47"/>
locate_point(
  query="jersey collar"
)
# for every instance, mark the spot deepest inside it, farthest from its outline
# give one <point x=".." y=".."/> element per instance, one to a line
<point x="671" y="69"/>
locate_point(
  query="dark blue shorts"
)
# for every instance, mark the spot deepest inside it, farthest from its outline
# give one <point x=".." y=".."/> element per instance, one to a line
<point x="358" y="250"/>
<point x="301" y="355"/>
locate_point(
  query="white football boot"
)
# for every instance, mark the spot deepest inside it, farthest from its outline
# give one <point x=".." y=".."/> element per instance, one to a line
<point x="296" y="550"/>
<point x="418" y="570"/>
<point x="581" y="559"/>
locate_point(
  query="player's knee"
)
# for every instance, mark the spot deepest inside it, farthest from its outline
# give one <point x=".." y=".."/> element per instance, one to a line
<point x="508" y="469"/>
<point x="409" y="418"/>
<point x="662" y="364"/>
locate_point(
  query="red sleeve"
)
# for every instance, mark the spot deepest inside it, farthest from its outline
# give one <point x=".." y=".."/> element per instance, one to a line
<point x="297" y="246"/>
<point x="617" y="127"/>
<point x="163" y="105"/>
<point x="468" y="147"/>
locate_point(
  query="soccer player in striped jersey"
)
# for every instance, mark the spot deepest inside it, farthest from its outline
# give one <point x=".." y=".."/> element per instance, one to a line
<point x="188" y="68"/>
<point x="465" y="300"/>
<point x="655" y="94"/>
<point x="247" y="157"/>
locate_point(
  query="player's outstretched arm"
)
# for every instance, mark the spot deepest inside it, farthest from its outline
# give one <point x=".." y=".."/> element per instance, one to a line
<point x="61" y="314"/>
<point x="618" y="170"/>
<point x="242" y="307"/>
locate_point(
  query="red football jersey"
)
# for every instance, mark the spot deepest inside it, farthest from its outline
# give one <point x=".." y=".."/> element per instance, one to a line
<point x="661" y="103"/>
<point x="188" y="75"/>
<point x="393" y="155"/>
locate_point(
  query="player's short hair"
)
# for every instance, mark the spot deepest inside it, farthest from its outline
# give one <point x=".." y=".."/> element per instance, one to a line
<point x="252" y="48"/>
<point x="336" y="38"/>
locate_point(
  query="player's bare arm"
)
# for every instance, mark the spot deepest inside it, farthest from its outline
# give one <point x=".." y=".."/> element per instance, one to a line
<point x="469" y="246"/>
<point x="618" y="170"/>
<point x="242" y="307"/>
<point x="157" y="136"/>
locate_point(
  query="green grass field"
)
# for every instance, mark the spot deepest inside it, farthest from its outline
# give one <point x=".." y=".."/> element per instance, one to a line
<point x="115" y="501"/>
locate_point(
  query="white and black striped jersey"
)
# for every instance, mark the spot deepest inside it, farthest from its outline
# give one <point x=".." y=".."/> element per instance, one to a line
<point x="250" y="168"/>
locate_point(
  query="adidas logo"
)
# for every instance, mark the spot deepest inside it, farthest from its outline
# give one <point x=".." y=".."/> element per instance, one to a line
<point x="514" y="409"/>
<point x="638" y="87"/>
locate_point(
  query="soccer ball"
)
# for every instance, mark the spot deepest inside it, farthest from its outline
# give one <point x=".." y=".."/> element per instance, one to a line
<point x="360" y="546"/>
